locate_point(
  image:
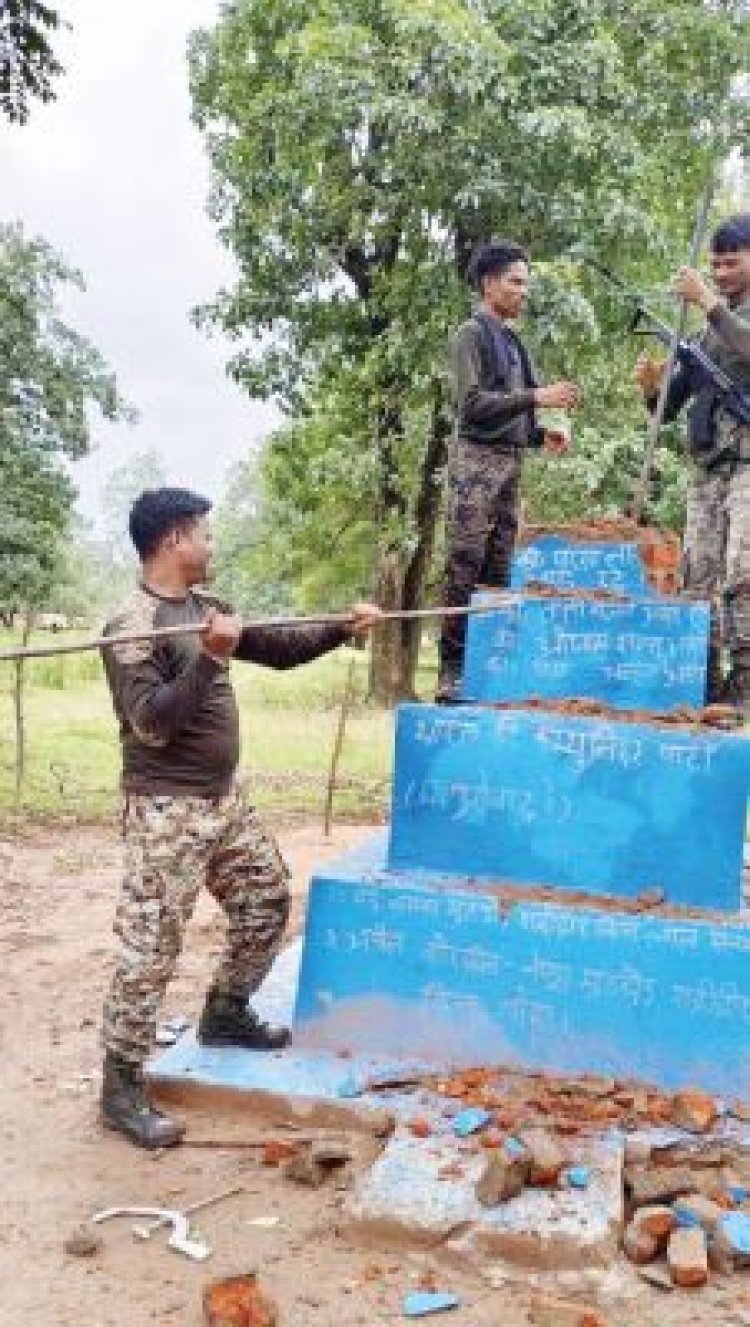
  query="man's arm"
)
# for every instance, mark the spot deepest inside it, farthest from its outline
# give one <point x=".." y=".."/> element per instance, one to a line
<point x="732" y="329"/>
<point x="286" y="647"/>
<point x="475" y="404"/>
<point x="155" y="706"/>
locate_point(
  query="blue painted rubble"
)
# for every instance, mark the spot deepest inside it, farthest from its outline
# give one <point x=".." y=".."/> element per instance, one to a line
<point x="421" y="965"/>
<point x="577" y="803"/>
<point x="635" y="654"/>
<point x="553" y="560"/>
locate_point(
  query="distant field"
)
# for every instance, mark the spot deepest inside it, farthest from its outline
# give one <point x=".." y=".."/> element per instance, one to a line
<point x="288" y="726"/>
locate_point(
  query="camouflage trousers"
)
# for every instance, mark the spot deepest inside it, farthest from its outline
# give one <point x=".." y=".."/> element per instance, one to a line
<point x="173" y="846"/>
<point x="481" y="525"/>
<point x="716" y="561"/>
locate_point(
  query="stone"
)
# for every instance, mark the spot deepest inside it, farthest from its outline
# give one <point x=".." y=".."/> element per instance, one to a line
<point x="659" y="1185"/>
<point x="504" y="1176"/>
<point x="704" y="1211"/>
<point x="83" y="1243"/>
<point x="276" y="1150"/>
<point x="547" y="1157"/>
<point x="637" y="1152"/>
<point x="639" y="1246"/>
<point x="238" y="1301"/>
<point x="304" y="1169"/>
<point x="648" y="1233"/>
<point x="694" y="1111"/>
<point x="687" y="1257"/>
<point x="550" y="1311"/>
<point x="331" y="1152"/>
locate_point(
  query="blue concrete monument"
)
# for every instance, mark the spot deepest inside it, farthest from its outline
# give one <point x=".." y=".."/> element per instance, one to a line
<point x="602" y="806"/>
<point x="567" y="565"/>
<point x="638" y="653"/>
<point x="418" y="965"/>
<point x="430" y="945"/>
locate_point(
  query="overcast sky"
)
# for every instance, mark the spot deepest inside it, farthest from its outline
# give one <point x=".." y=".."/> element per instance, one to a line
<point x="114" y="176"/>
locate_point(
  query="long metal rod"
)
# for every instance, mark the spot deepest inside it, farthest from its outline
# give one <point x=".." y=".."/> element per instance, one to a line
<point x="640" y="497"/>
<point x="195" y="628"/>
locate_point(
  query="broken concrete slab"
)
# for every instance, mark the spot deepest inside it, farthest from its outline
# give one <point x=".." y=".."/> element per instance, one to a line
<point x="412" y="1196"/>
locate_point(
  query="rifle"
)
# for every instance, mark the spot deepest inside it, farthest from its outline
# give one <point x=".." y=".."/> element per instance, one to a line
<point x="695" y="362"/>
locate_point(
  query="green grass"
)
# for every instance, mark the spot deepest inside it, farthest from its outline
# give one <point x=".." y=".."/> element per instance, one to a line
<point x="288" y="726"/>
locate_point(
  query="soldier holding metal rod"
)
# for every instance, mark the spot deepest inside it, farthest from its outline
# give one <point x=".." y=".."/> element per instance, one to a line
<point x="186" y="822"/>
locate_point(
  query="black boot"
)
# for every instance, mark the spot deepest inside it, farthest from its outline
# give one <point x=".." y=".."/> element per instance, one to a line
<point x="227" y="1020"/>
<point x="126" y="1107"/>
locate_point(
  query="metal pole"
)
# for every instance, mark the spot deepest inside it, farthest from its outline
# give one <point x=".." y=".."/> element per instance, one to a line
<point x="195" y="628"/>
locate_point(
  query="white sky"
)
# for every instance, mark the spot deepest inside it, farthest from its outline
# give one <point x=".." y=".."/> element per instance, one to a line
<point x="114" y="176"/>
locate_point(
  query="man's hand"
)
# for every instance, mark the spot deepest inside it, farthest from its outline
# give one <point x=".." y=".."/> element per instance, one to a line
<point x="362" y="618"/>
<point x="691" y="286"/>
<point x="556" y="441"/>
<point x="648" y="374"/>
<point x="221" y="634"/>
<point x="557" y="396"/>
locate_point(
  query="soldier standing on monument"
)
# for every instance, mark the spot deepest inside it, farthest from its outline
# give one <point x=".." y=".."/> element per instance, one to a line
<point x="716" y="548"/>
<point x="186" y="822"/>
<point x="496" y="396"/>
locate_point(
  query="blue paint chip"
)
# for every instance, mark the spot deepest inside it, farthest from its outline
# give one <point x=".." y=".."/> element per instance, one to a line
<point x="686" y="1220"/>
<point x="735" y="1229"/>
<point x="470" y="1121"/>
<point x="738" y="1193"/>
<point x="348" y="1088"/>
<point x="513" y="1148"/>
<point x="422" y="1302"/>
<point x="579" y="1177"/>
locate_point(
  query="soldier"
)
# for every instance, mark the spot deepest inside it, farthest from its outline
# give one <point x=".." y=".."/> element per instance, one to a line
<point x="496" y="396"/>
<point x="716" y="548"/>
<point x="185" y="819"/>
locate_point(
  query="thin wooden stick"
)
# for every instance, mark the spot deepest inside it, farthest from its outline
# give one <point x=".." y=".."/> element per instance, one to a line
<point x="195" y="628"/>
<point x="346" y="700"/>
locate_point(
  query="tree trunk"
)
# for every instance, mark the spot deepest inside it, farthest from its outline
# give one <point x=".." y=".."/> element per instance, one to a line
<point x="20" y="725"/>
<point x="395" y="645"/>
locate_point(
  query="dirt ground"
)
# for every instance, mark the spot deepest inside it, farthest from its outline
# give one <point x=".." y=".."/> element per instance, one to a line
<point x="57" y="897"/>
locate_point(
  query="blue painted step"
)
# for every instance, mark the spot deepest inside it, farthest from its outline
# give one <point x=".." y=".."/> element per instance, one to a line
<point x="567" y="565"/>
<point x="632" y="654"/>
<point x="420" y="965"/>
<point x="603" y="806"/>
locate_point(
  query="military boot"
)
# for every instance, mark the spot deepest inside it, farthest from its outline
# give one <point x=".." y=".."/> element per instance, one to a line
<point x="126" y="1107"/>
<point x="449" y="685"/>
<point x="227" y="1020"/>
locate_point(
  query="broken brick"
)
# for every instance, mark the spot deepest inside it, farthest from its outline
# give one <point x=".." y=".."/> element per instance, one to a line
<point x="277" y="1150"/>
<point x="660" y="1185"/>
<point x="694" y="1111"/>
<point x="687" y="1257"/>
<point x="549" y="1311"/>
<point x="504" y="1177"/>
<point x="547" y="1158"/>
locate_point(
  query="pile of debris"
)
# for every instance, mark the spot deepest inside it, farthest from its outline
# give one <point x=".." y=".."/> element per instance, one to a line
<point x="724" y="717"/>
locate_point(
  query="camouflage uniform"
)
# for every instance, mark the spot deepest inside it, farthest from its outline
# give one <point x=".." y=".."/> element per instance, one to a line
<point x="716" y="547"/>
<point x="716" y="563"/>
<point x="480" y="532"/>
<point x="186" y="822"/>
<point x="494" y="384"/>
<point x="174" y="845"/>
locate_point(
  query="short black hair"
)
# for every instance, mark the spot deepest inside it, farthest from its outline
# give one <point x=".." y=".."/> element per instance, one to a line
<point x="732" y="235"/>
<point x="158" y="511"/>
<point x="493" y="259"/>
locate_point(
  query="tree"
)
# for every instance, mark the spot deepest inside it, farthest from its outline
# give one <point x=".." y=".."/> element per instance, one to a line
<point x="248" y="570"/>
<point x="28" y="64"/>
<point x="50" y="376"/>
<point x="361" y="148"/>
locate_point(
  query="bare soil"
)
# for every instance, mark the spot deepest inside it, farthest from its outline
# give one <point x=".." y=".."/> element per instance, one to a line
<point x="57" y="899"/>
